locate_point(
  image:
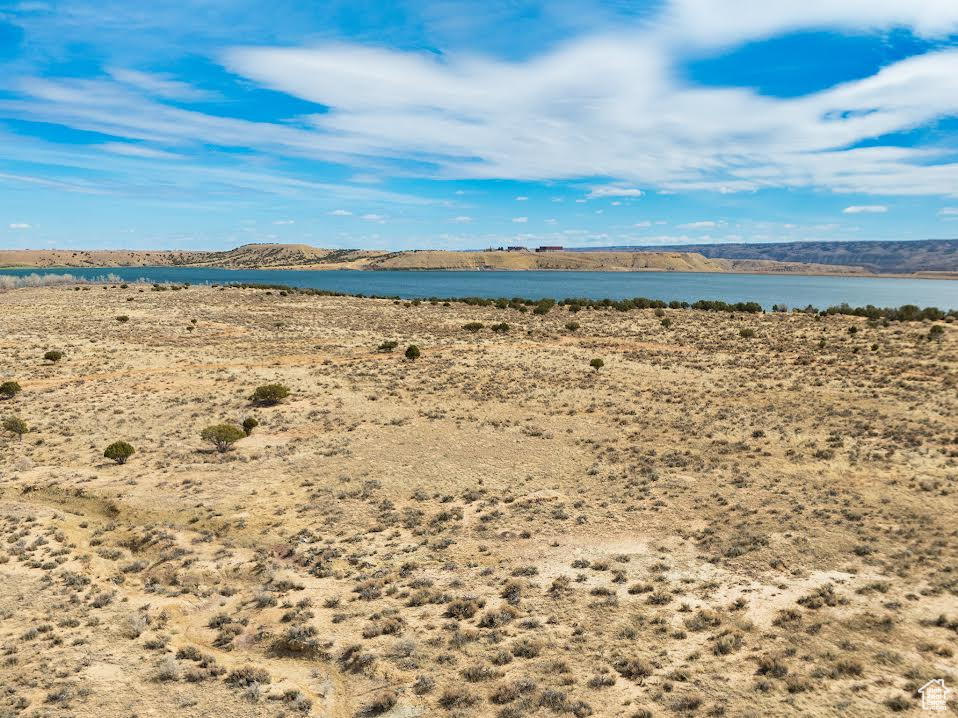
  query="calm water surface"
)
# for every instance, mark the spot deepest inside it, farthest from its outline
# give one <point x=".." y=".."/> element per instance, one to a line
<point x="793" y="291"/>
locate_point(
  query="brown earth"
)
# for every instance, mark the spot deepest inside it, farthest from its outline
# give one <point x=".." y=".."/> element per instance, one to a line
<point x="709" y="524"/>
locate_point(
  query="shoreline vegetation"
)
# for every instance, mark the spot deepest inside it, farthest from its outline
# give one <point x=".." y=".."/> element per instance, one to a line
<point x="905" y="313"/>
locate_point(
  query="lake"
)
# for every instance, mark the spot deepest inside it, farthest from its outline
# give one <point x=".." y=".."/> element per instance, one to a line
<point x="791" y="290"/>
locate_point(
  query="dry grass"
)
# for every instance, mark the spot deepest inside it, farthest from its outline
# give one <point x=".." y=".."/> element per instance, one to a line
<point x="715" y="523"/>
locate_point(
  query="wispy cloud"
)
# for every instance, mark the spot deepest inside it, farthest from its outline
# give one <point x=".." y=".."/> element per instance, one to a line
<point x="520" y="220"/>
<point x="614" y="191"/>
<point x="866" y="209"/>
<point x="160" y="85"/>
<point x="133" y="150"/>
<point x="705" y="224"/>
<point x="577" y="111"/>
<point x="19" y="225"/>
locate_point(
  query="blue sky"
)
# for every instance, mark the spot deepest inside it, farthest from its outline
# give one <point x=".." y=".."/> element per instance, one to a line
<point x="213" y="123"/>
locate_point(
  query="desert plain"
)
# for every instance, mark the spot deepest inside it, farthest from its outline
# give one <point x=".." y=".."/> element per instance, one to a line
<point x="736" y="514"/>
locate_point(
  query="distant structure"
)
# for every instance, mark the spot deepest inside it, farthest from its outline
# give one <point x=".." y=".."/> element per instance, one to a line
<point x="549" y="248"/>
<point x="516" y="249"/>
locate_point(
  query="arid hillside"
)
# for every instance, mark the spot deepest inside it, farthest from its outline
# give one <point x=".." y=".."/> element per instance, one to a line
<point x="302" y="256"/>
<point x="730" y="514"/>
<point x="94" y="258"/>
<point x="904" y="257"/>
<point x="247" y="256"/>
<point x="605" y="261"/>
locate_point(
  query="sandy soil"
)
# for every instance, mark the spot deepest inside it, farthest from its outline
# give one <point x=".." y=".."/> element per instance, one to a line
<point x="708" y="525"/>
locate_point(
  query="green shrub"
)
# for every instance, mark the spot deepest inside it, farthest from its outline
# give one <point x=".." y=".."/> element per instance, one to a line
<point x="16" y="425"/>
<point x="222" y="436"/>
<point x="9" y="389"/>
<point x="572" y="326"/>
<point x="412" y="352"/>
<point x="666" y="323"/>
<point x="501" y="328"/>
<point x="269" y="394"/>
<point x="746" y="333"/>
<point x="53" y="355"/>
<point x="387" y="346"/>
<point x="123" y="319"/>
<point x="119" y="451"/>
<point x="597" y="363"/>
<point x="472" y="326"/>
<point x="249" y="423"/>
<point x="937" y="333"/>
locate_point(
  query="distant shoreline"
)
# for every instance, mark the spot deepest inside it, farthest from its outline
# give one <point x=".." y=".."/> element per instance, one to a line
<point x="944" y="276"/>
<point x="927" y="261"/>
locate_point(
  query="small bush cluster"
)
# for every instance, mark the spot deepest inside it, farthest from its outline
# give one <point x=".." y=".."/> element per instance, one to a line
<point x="119" y="452"/>
<point x="269" y="394"/>
<point x="15" y="425"/>
<point x="9" y="389"/>
<point x="223" y="436"/>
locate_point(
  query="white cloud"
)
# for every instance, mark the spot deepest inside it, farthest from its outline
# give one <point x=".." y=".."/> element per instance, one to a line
<point x="340" y="213"/>
<point x="643" y="223"/>
<point x="612" y="106"/>
<point x="604" y="106"/>
<point x="614" y="191"/>
<point x="132" y="150"/>
<point x="159" y="85"/>
<point x="521" y="199"/>
<point x="374" y="218"/>
<point x="865" y="209"/>
<point x="462" y="220"/>
<point x="948" y="212"/>
<point x="699" y="225"/>
<point x="19" y="225"/>
<point x="520" y="220"/>
<point x="285" y="221"/>
<point x="717" y="22"/>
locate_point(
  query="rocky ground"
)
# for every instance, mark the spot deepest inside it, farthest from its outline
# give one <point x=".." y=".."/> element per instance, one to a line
<point x="715" y="522"/>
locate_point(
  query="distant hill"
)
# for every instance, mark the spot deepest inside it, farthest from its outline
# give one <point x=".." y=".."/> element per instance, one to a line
<point x="285" y="255"/>
<point x="25" y="258"/>
<point x="248" y="256"/>
<point x="902" y="257"/>
<point x="604" y="261"/>
<point x="760" y="259"/>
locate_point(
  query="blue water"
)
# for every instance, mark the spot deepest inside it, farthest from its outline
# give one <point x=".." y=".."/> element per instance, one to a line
<point x="791" y="290"/>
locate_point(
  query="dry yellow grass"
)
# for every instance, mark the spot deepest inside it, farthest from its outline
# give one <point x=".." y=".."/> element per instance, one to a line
<point x="707" y="525"/>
